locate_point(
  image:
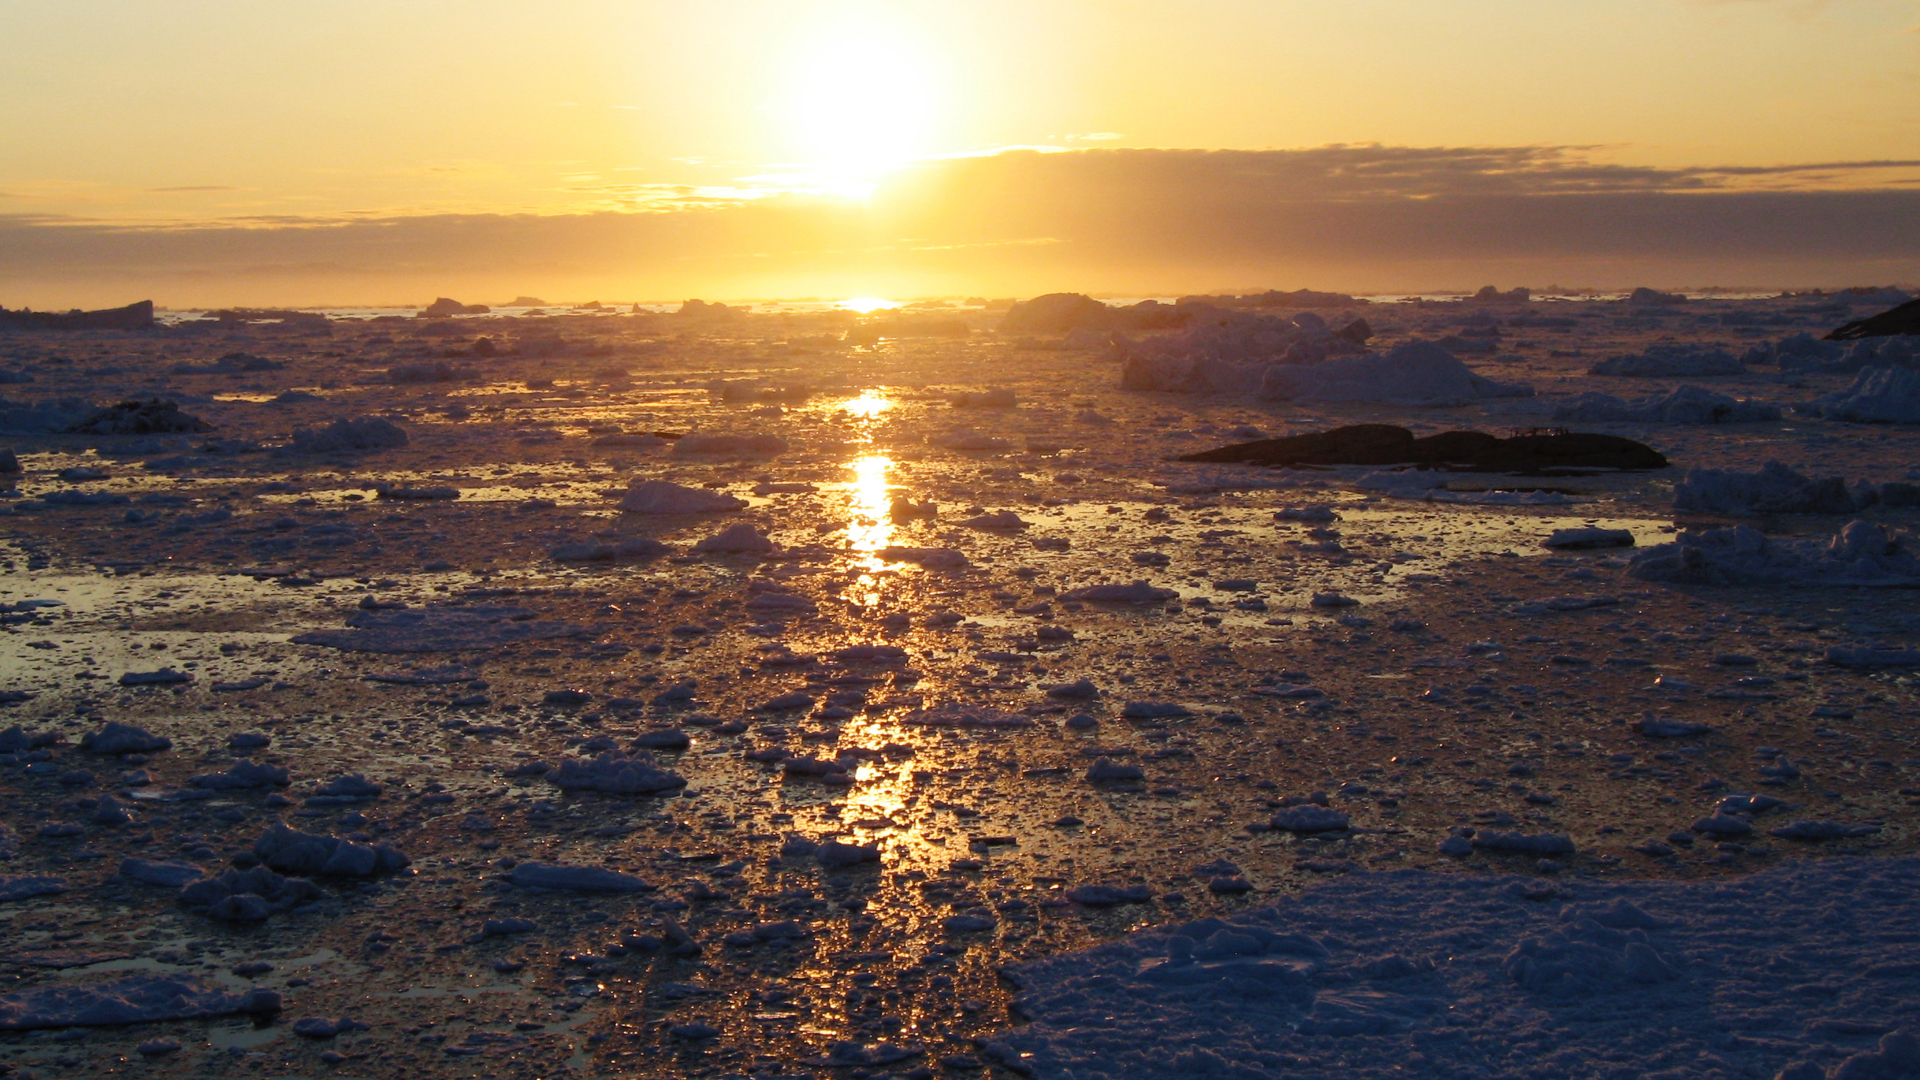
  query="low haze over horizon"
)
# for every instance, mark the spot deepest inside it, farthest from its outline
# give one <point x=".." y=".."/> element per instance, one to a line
<point x="215" y="153"/>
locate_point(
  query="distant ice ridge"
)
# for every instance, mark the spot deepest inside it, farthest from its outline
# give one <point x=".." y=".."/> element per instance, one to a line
<point x="1232" y="355"/>
<point x="1860" y="554"/>
<point x="1419" y="373"/>
<point x="1669" y="359"/>
<point x="1413" y="974"/>
<point x="1682" y="405"/>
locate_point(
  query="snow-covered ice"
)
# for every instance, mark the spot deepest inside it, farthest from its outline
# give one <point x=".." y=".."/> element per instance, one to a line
<point x="1879" y="396"/>
<point x="1860" y="554"/>
<point x="1422" y="974"/>
<point x="1682" y="405"/>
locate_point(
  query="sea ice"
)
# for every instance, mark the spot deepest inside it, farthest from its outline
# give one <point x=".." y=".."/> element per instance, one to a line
<point x="362" y="433"/>
<point x="559" y="877"/>
<point x="1415" y="973"/>
<point x="439" y="629"/>
<point x="1669" y="359"/>
<point x="737" y="539"/>
<point x="1682" y="405"/>
<point x="137" y="999"/>
<point x="1138" y="592"/>
<point x="718" y="444"/>
<point x="615" y="774"/>
<point x="1878" y="396"/>
<point x="1775" y="489"/>
<point x="667" y="497"/>
<point x="1416" y="374"/>
<point x="1860" y="554"/>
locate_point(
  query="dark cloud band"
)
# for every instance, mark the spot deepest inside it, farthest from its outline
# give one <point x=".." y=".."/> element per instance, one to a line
<point x="1142" y="221"/>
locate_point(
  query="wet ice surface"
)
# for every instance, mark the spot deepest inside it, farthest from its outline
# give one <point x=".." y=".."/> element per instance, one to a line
<point x="909" y="759"/>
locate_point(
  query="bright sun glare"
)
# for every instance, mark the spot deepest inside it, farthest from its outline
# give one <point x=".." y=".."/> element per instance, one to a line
<point x="867" y="305"/>
<point x="869" y="404"/>
<point x="862" y="101"/>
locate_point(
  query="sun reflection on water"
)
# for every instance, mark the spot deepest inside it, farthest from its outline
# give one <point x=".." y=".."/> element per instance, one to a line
<point x="870" y="404"/>
<point x="869" y="524"/>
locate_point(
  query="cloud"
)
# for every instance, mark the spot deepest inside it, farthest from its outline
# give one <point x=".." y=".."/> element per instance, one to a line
<point x="1140" y="222"/>
<point x="191" y="187"/>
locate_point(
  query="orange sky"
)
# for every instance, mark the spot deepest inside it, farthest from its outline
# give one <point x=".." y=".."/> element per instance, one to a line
<point x="809" y="146"/>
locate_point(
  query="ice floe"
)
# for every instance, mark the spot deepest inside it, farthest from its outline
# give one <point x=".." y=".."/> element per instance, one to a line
<point x="1861" y="554"/>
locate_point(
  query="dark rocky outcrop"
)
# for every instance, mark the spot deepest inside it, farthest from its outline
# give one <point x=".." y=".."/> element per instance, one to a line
<point x="1904" y="319"/>
<point x="1531" y="453"/>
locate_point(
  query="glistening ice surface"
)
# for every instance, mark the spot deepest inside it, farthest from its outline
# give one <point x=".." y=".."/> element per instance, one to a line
<point x="774" y="771"/>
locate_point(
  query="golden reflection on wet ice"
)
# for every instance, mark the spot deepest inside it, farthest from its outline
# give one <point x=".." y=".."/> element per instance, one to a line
<point x="869" y="524"/>
<point x="870" y="404"/>
<point x="877" y="804"/>
<point x="869" y="521"/>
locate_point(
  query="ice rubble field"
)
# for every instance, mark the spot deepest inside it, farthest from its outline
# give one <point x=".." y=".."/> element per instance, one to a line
<point x="1803" y="967"/>
<point x="741" y="695"/>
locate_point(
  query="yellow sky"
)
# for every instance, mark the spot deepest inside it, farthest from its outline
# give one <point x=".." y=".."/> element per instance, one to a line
<point x="193" y="110"/>
<point x="261" y="151"/>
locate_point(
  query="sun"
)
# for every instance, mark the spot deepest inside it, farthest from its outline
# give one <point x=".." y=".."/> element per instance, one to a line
<point x="862" y="99"/>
